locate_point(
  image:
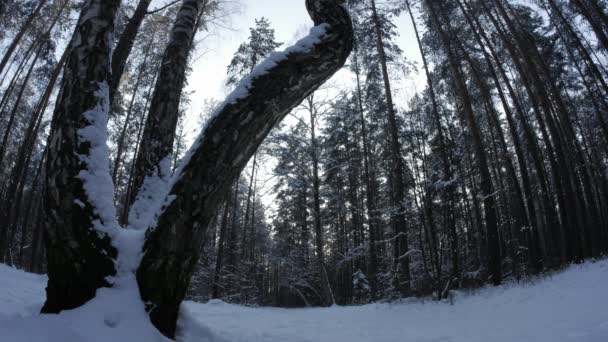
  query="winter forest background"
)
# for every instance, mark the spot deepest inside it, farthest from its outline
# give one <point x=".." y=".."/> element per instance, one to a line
<point x="463" y="142"/>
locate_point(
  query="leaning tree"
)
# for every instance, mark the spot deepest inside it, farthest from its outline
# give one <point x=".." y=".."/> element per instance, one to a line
<point x="83" y="236"/>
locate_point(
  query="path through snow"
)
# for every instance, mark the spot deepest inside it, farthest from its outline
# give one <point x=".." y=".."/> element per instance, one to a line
<point x="571" y="306"/>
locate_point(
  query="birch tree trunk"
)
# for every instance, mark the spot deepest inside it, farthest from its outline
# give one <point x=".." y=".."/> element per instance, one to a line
<point x="232" y="136"/>
<point x="159" y="130"/>
<point x="79" y="255"/>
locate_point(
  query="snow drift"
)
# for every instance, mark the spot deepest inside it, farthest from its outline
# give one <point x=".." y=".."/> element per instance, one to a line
<point x="568" y="306"/>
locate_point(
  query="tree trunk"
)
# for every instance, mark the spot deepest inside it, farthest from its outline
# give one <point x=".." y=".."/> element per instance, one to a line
<point x="219" y="155"/>
<point x="369" y="189"/>
<point x="248" y="207"/>
<point x="486" y="186"/>
<point x="156" y="145"/>
<point x="80" y="255"/>
<point x="123" y="132"/>
<point x="220" y="252"/>
<point x="445" y="161"/>
<point x="402" y="264"/>
<point x="594" y="15"/>
<point x="125" y="45"/>
<point x="326" y="293"/>
<point x="11" y="119"/>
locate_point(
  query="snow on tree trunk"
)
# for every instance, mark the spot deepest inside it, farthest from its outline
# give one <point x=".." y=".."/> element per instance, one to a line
<point x="152" y="164"/>
<point x="223" y="149"/>
<point x="80" y="217"/>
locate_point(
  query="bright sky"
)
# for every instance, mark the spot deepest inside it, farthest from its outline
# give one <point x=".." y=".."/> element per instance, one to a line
<point x="290" y="20"/>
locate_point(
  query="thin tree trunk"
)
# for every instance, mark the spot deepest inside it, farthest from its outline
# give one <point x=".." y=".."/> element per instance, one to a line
<point x="8" y="229"/>
<point x="326" y="293"/>
<point x="220" y="252"/>
<point x="594" y="15"/>
<point x="445" y="162"/>
<point x="369" y="189"/>
<point x="486" y="186"/>
<point x="402" y="265"/>
<point x="248" y="205"/>
<point x="16" y="183"/>
<point x="124" y="216"/>
<point x="30" y="202"/>
<point x="17" y="39"/>
<point x="125" y="45"/>
<point x="14" y="80"/>
<point x="159" y="131"/>
<point x="123" y="132"/>
<point x="34" y="265"/>
<point x="11" y="120"/>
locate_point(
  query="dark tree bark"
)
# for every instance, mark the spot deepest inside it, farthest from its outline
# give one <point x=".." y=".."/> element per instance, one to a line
<point x="230" y="139"/>
<point x="370" y="191"/>
<point x="533" y="232"/>
<point x="486" y="185"/>
<point x="159" y="131"/>
<point x="79" y="256"/>
<point x="215" y="293"/>
<point x="443" y="153"/>
<point x="11" y="120"/>
<point x="125" y="45"/>
<point x="16" y="183"/>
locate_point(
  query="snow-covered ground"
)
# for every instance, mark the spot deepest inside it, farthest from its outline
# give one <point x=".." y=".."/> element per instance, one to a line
<point x="568" y="306"/>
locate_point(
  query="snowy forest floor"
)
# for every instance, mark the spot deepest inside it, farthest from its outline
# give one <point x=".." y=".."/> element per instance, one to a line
<point x="571" y="305"/>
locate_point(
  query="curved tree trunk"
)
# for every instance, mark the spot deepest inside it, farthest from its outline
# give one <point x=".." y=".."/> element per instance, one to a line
<point x="220" y="153"/>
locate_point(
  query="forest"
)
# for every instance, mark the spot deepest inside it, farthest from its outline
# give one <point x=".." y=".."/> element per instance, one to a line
<point x="312" y="183"/>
